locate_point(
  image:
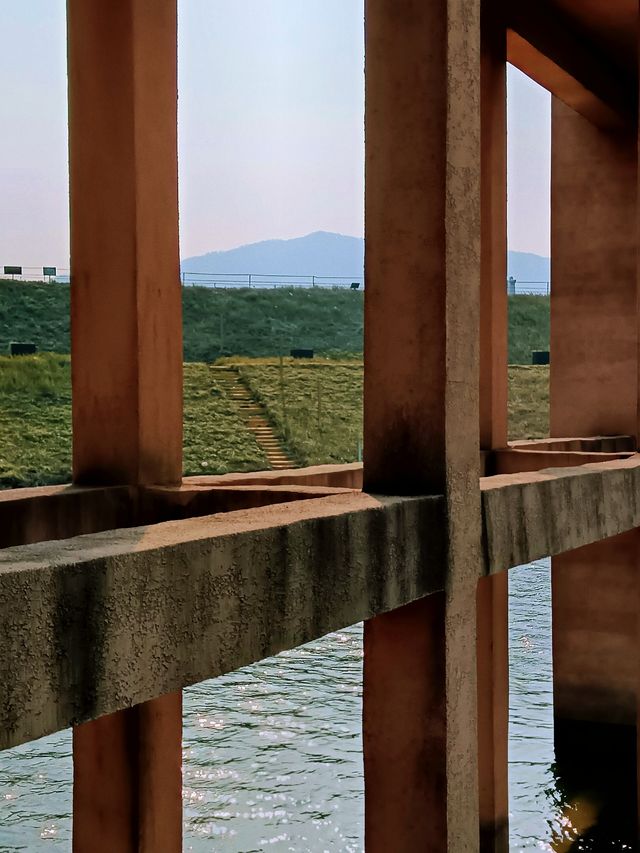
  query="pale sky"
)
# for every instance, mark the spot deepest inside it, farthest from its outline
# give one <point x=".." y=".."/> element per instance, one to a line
<point x="271" y="110"/>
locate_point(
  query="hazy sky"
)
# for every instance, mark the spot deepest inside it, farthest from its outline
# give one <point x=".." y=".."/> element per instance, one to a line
<point x="270" y="128"/>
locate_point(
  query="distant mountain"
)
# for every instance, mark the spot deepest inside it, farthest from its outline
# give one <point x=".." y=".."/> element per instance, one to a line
<point x="524" y="266"/>
<point x="321" y="254"/>
<point x="325" y="254"/>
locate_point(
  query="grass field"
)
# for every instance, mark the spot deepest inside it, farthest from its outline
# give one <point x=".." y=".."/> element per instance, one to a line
<point x="315" y="407"/>
<point x="244" y="322"/>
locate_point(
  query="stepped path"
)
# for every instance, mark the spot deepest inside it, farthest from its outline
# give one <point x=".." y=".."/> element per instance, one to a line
<point x="255" y="417"/>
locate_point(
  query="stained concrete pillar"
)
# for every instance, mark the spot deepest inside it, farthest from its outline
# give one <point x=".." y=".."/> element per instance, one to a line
<point x="421" y="412"/>
<point x="593" y="391"/>
<point x="126" y="337"/>
<point x="493" y="592"/>
<point x="126" y="329"/>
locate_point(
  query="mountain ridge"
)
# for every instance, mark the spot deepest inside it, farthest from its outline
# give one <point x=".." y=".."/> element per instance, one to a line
<point x="325" y="254"/>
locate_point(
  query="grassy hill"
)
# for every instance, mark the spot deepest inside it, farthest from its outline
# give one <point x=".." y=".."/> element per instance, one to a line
<point x="244" y="322"/>
<point x="314" y="407"/>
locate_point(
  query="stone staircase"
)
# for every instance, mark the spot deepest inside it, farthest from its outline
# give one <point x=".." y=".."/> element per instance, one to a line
<point x="254" y="416"/>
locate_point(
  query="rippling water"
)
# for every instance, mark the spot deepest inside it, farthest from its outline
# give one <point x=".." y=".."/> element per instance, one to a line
<point x="272" y="753"/>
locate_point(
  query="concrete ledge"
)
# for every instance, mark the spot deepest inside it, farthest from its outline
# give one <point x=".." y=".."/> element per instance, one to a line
<point x="538" y="514"/>
<point x="517" y="460"/>
<point x="347" y="476"/>
<point x="98" y="623"/>
<point x="585" y="444"/>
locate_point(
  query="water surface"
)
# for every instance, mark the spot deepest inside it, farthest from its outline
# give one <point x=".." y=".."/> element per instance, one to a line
<point x="272" y="752"/>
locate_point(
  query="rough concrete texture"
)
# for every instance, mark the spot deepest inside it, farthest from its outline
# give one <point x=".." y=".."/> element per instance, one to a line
<point x="98" y="623"/>
<point x="538" y="514"/>
<point x="421" y="401"/>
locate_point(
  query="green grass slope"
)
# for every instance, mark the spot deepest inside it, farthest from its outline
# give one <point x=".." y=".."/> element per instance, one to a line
<point x="244" y="322"/>
<point x="315" y="408"/>
<point x="35" y="423"/>
<point x="528" y="327"/>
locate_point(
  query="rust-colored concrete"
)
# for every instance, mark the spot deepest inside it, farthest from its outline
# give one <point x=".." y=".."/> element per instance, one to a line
<point x="493" y="712"/>
<point x="595" y="631"/>
<point x="515" y="461"/>
<point x="134" y="758"/>
<point x="126" y="346"/>
<point x="347" y="476"/>
<point x="594" y="391"/>
<point x="492" y="596"/>
<point x="493" y="294"/>
<point x="543" y="45"/>
<point x="126" y="331"/>
<point x="422" y="269"/>
<point x="594" y="338"/>
<point x="405" y="740"/>
<point x="592" y="444"/>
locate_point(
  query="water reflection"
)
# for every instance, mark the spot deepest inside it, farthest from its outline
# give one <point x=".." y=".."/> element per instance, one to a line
<point x="272" y="756"/>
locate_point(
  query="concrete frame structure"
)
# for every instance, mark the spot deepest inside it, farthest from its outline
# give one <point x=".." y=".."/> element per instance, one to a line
<point x="120" y="590"/>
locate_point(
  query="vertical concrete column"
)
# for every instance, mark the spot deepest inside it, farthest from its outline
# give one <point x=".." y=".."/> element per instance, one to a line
<point x="593" y="391"/>
<point x="126" y="328"/>
<point x="493" y="592"/>
<point x="594" y="337"/>
<point x="422" y="271"/>
<point x="126" y="364"/>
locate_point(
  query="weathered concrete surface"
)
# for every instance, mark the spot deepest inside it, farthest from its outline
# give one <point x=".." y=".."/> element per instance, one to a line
<point x="99" y="623"/>
<point x="538" y="514"/>
<point x="421" y="431"/>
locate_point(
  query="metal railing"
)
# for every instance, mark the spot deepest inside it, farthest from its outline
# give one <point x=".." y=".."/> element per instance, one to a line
<point x="516" y="287"/>
<point x="263" y="280"/>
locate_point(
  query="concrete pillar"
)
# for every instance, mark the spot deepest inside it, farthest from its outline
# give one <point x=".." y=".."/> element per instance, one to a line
<point x="421" y="412"/>
<point x="127" y="780"/>
<point x="126" y="364"/>
<point x="126" y="329"/>
<point x="493" y="592"/>
<point x="593" y="391"/>
<point x="594" y="338"/>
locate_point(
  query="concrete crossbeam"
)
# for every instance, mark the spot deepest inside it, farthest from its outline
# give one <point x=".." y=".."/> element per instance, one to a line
<point x="99" y="623"/>
<point x="545" y="45"/>
<point x="542" y="513"/>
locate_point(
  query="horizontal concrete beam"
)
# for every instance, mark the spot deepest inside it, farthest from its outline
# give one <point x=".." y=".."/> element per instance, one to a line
<point x="547" y="46"/>
<point x="518" y="460"/>
<point x="98" y="623"/>
<point x="585" y="444"/>
<point x="60" y="512"/>
<point x="538" y="514"/>
<point x="340" y="476"/>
